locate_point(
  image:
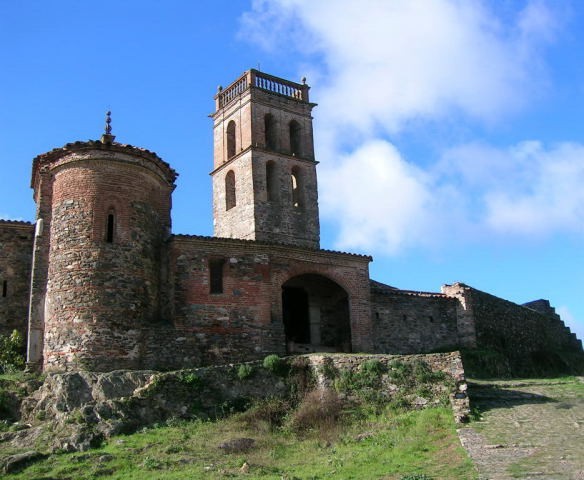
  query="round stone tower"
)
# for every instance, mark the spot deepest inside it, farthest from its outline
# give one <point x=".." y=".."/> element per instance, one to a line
<point x="103" y="215"/>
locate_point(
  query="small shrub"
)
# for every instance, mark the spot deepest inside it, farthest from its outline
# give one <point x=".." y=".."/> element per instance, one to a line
<point x="416" y="476"/>
<point x="244" y="371"/>
<point x="422" y="372"/>
<point x="424" y="391"/>
<point x="266" y="415"/>
<point x="150" y="463"/>
<point x="369" y="375"/>
<point x="11" y="352"/>
<point x="362" y="382"/>
<point x="275" y="364"/>
<point x="320" y="410"/>
<point x="346" y="382"/>
<point x="4" y="425"/>
<point x="229" y="407"/>
<point x="190" y="379"/>
<point x="399" y="401"/>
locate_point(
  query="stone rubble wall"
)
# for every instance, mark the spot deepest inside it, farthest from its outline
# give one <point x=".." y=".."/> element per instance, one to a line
<point x="16" y="245"/>
<point x="448" y="363"/>
<point x="524" y="335"/>
<point x="413" y="322"/>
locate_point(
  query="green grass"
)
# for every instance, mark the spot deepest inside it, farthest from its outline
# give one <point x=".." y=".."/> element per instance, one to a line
<point x="392" y="445"/>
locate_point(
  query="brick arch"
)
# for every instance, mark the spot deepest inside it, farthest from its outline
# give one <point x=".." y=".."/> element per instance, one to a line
<point x="329" y="274"/>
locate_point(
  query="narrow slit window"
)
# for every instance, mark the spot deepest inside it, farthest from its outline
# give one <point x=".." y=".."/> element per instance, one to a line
<point x="4" y="288"/>
<point x="216" y="276"/>
<point x="109" y="236"/>
<point x="230" y="139"/>
<point x="230" y="198"/>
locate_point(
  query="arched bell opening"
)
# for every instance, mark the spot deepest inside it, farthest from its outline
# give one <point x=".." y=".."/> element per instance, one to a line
<point x="315" y="311"/>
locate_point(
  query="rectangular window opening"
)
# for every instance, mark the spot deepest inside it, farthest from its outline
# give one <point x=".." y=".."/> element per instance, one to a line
<point x="216" y="275"/>
<point x="4" y="288"/>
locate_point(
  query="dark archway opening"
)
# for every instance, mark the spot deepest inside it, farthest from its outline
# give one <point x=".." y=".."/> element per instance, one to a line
<point x="296" y="314"/>
<point x="315" y="311"/>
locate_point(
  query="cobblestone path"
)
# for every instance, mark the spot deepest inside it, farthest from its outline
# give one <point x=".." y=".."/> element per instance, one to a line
<point x="528" y="429"/>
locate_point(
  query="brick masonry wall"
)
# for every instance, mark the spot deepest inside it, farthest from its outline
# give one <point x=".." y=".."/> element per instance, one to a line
<point x="245" y="321"/>
<point x="412" y="322"/>
<point x="100" y="294"/>
<point x="16" y="242"/>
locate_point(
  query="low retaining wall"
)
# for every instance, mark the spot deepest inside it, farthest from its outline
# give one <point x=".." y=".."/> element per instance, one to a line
<point x="85" y="407"/>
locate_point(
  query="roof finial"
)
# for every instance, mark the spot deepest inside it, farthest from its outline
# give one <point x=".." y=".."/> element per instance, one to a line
<point x="107" y="137"/>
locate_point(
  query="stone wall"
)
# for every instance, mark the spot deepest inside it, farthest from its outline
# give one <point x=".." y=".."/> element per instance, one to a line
<point x="531" y="341"/>
<point x="450" y="364"/>
<point x="412" y="322"/>
<point x="16" y="245"/>
<point x="110" y="215"/>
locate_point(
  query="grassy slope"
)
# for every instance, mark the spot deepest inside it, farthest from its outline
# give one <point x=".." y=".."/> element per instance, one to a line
<point x="397" y="443"/>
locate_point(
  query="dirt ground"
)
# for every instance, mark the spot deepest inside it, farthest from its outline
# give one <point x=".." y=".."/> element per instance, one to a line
<point x="528" y="429"/>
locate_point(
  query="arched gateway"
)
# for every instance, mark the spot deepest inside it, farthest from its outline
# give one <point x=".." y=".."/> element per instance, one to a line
<point x="316" y="315"/>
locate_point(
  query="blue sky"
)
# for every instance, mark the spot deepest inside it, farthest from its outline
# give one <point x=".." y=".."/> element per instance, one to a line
<point x="450" y="134"/>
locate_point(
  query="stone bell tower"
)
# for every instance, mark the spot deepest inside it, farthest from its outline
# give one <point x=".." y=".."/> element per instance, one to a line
<point x="264" y="176"/>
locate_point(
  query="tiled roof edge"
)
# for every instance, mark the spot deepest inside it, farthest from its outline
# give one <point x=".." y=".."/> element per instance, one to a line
<point x="259" y="242"/>
<point x="16" y="222"/>
<point x="80" y="145"/>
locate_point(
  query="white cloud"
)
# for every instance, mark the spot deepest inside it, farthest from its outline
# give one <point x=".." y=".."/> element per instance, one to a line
<point x="383" y="203"/>
<point x="382" y="65"/>
<point x="396" y="198"/>
<point x="390" y="61"/>
<point x="526" y="189"/>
